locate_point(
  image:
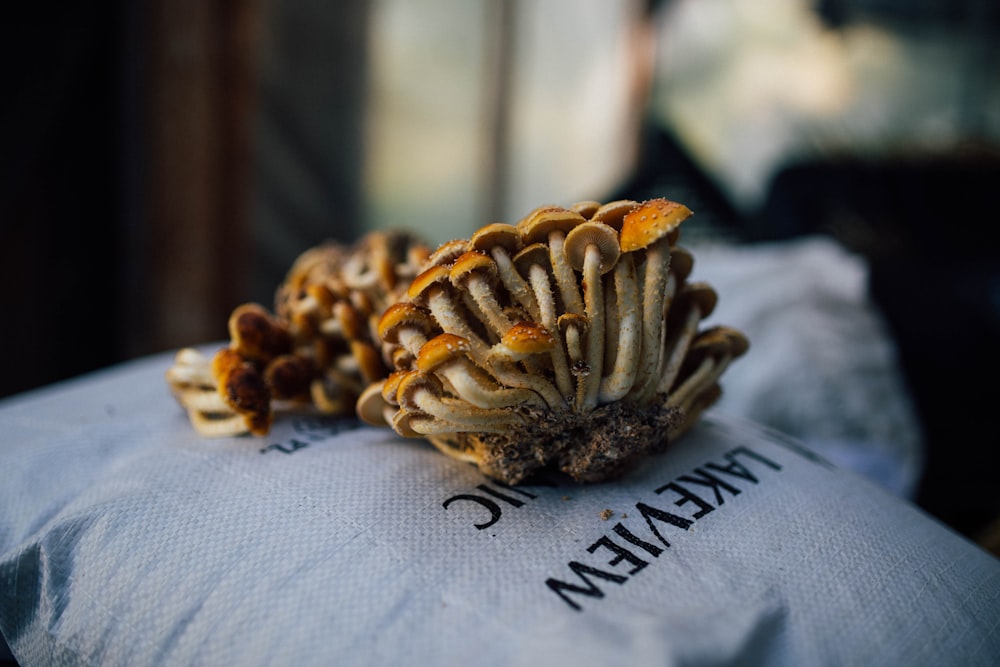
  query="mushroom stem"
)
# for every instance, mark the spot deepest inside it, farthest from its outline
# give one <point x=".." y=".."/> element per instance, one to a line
<point x="508" y="374"/>
<point x="514" y="283"/>
<point x="572" y="303"/>
<point x="204" y="400"/>
<point x="653" y="295"/>
<point x="574" y="345"/>
<point x="213" y="427"/>
<point x="626" y="364"/>
<point x="473" y="385"/>
<point x="593" y="292"/>
<point x="677" y="344"/>
<point x="542" y="289"/>
<point x="462" y="414"/>
<point x="448" y="317"/>
<point x="412" y="339"/>
<point x="483" y="297"/>
<point x="423" y="393"/>
<point x="693" y="409"/>
<point x="691" y="383"/>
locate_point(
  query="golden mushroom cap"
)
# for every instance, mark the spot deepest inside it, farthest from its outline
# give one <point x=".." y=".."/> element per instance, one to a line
<point x="441" y="349"/>
<point x="534" y="254"/>
<point x="401" y="315"/>
<point x="256" y="335"/>
<point x="448" y="252"/>
<point x="537" y="226"/>
<point x="469" y="263"/>
<point x="496" y="235"/>
<point x="613" y="213"/>
<point x="433" y="276"/>
<point x="651" y="221"/>
<point x="527" y="338"/>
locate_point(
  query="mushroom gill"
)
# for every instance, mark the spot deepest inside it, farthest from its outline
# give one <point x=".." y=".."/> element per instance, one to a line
<point x="569" y="342"/>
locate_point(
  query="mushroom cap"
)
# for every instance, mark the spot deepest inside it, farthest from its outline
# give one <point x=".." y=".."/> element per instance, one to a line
<point x="370" y="407"/>
<point x="527" y="338"/>
<point x="703" y="294"/>
<point x="586" y="208"/>
<point x="441" y="349"/>
<point x="447" y="252"/>
<point x="540" y="222"/>
<point x="531" y="255"/>
<point x="369" y="361"/>
<point x="323" y="295"/>
<point x="681" y="263"/>
<point x="401" y="423"/>
<point x="256" y="335"/>
<point x="721" y="339"/>
<point x="651" y="221"/>
<point x="472" y="262"/>
<point x="574" y="320"/>
<point x="243" y="389"/>
<point x="436" y="274"/>
<point x="497" y="234"/>
<point x="390" y="385"/>
<point x="401" y="315"/>
<point x="289" y="376"/>
<point x="613" y="213"/>
<point x="352" y="324"/>
<point x="413" y="382"/>
<point x="596" y="234"/>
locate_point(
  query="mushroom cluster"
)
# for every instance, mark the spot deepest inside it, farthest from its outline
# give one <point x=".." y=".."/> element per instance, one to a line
<point x="319" y="349"/>
<point x="569" y="341"/>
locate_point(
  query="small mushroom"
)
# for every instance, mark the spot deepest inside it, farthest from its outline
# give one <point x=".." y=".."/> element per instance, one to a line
<point x="502" y="242"/>
<point x="628" y="333"/>
<point x="243" y="389"/>
<point x="424" y="393"/>
<point x="431" y="289"/>
<point x="475" y="273"/>
<point x="447" y="253"/>
<point x="592" y="249"/>
<point x="317" y="351"/>
<point x="523" y="341"/>
<point x="709" y="355"/>
<point x="695" y="302"/>
<point x="574" y="329"/>
<point x="407" y="325"/>
<point x="550" y="225"/>
<point x="447" y="355"/>
<point x="255" y="335"/>
<point x="372" y="409"/>
<point x="652" y="227"/>
<point x="533" y="262"/>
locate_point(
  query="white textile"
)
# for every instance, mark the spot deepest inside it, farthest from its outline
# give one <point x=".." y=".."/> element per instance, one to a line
<point x="125" y="539"/>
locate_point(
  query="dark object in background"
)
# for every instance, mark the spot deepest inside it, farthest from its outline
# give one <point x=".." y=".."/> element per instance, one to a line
<point x="927" y="226"/>
<point x="59" y="191"/>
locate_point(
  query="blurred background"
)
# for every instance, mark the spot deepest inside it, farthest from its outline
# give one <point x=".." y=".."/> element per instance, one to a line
<point x="165" y="161"/>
